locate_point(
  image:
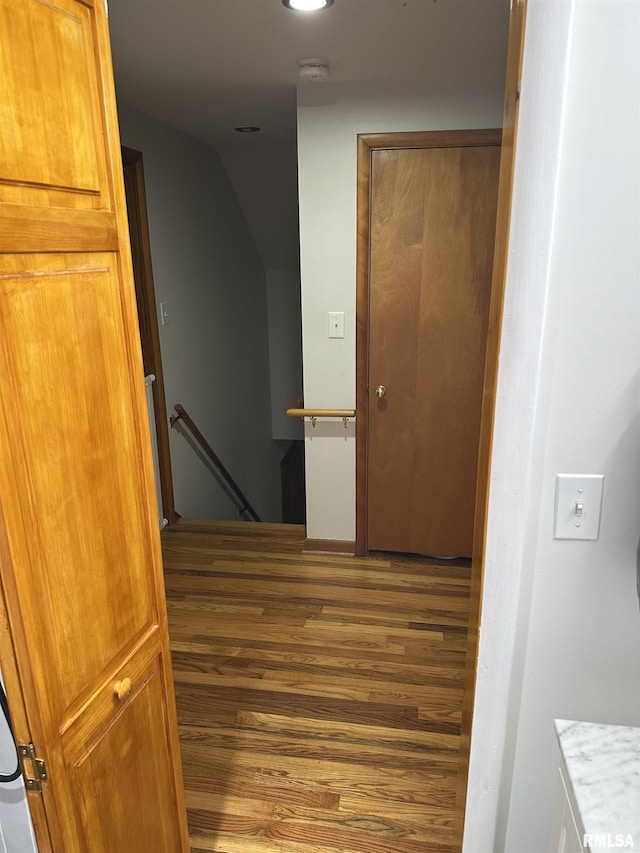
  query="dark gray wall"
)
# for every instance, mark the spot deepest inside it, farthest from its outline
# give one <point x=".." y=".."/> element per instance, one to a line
<point x="215" y="349"/>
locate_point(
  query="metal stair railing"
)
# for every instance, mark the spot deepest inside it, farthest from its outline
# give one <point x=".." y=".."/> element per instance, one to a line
<point x="234" y="491"/>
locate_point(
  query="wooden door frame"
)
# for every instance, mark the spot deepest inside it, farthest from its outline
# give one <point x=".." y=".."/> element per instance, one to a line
<point x="517" y="21"/>
<point x="147" y="314"/>
<point x="368" y="143"/>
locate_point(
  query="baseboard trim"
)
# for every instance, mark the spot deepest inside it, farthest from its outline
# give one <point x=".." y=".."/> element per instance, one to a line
<point x="346" y="547"/>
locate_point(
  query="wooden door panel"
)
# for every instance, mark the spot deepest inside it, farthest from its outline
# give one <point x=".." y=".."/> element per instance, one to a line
<point x="48" y="70"/>
<point x="80" y="561"/>
<point x="121" y="766"/>
<point x="432" y="227"/>
<point x="71" y="420"/>
<point x="397" y="206"/>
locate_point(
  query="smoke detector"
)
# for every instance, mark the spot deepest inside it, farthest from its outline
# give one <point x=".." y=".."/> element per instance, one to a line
<point x="313" y="70"/>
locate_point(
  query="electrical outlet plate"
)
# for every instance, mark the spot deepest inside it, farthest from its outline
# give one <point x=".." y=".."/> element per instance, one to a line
<point x="578" y="506"/>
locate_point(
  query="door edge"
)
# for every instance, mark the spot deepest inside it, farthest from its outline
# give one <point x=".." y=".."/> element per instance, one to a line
<point x="18" y="683"/>
<point x="133" y="167"/>
<point x="517" y="19"/>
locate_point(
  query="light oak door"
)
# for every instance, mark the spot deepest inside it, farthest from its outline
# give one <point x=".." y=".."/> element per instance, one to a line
<point x="432" y="225"/>
<point x="80" y="560"/>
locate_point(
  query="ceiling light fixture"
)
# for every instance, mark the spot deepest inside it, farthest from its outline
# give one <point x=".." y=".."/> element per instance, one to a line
<point x="247" y="128"/>
<point x="307" y="5"/>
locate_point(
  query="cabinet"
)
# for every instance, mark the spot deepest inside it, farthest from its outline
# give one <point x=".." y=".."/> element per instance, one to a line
<point x="567" y="838"/>
<point x="599" y="789"/>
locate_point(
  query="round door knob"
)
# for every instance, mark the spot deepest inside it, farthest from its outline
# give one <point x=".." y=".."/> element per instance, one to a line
<point x="121" y="689"/>
<point x="381" y="390"/>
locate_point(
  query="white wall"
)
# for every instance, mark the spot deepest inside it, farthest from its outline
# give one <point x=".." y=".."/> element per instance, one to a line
<point x="285" y="350"/>
<point x="560" y="633"/>
<point x="329" y="118"/>
<point x="215" y="353"/>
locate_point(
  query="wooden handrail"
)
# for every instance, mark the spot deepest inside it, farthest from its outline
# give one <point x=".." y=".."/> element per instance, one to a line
<point x="298" y="411"/>
<point x="321" y="413"/>
<point x="183" y="415"/>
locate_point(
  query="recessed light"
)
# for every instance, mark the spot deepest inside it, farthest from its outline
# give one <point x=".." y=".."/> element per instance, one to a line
<point x="247" y="128"/>
<point x="307" y="5"/>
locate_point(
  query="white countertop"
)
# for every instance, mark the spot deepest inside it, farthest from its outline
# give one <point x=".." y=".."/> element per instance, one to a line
<point x="603" y="767"/>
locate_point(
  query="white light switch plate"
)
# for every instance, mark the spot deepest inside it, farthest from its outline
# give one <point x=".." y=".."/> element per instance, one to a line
<point x="578" y="506"/>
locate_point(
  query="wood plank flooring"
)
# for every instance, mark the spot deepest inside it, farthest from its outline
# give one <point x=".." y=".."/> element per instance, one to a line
<point x="319" y="697"/>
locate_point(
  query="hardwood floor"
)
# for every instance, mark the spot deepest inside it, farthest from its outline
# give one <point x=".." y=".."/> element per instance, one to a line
<point x="319" y="697"/>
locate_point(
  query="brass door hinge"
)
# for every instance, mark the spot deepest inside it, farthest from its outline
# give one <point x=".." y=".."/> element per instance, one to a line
<point x="34" y="770"/>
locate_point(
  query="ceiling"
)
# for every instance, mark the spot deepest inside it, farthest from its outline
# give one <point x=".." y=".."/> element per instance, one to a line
<point x="208" y="66"/>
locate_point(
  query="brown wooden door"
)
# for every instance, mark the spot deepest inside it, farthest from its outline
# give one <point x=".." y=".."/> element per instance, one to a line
<point x="432" y="224"/>
<point x="80" y="558"/>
